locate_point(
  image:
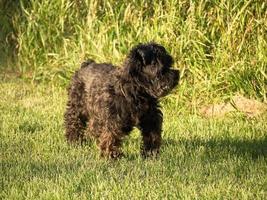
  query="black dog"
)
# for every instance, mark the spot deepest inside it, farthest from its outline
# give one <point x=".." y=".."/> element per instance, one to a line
<point x="107" y="102"/>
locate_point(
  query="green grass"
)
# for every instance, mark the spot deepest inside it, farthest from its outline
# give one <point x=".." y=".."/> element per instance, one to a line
<point x="223" y="158"/>
<point x="219" y="47"/>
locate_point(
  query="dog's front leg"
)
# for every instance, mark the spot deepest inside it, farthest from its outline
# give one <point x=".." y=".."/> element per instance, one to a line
<point x="150" y="126"/>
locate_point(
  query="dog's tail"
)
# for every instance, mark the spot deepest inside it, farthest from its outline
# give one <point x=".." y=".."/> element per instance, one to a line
<point x="87" y="62"/>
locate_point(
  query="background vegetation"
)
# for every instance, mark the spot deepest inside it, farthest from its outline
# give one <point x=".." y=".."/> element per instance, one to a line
<point x="220" y="46"/>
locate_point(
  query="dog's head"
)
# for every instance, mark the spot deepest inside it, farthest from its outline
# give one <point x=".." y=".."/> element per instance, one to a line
<point x="150" y="65"/>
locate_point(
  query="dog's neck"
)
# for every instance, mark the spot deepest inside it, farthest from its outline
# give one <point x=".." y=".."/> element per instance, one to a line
<point x="132" y="91"/>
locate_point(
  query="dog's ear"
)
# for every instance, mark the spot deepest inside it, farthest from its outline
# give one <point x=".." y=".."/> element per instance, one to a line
<point x="139" y="57"/>
<point x="145" y="55"/>
<point x="142" y="54"/>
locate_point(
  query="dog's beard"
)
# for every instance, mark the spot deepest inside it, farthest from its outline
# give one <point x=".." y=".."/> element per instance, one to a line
<point x="163" y="85"/>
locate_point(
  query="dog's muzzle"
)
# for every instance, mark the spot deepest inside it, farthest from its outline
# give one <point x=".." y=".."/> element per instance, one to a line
<point x="175" y="76"/>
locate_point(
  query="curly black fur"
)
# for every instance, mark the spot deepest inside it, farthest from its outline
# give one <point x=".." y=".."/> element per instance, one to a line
<point x="107" y="102"/>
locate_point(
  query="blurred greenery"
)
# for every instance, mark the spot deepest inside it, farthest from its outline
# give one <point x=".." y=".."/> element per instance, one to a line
<point x="220" y="46"/>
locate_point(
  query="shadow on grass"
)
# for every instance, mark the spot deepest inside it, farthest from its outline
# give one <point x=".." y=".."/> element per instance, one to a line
<point x="217" y="146"/>
<point x="231" y="146"/>
<point x="19" y="172"/>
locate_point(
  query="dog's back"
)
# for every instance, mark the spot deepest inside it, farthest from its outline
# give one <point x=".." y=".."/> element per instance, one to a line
<point x="95" y="76"/>
<point x="87" y="62"/>
<point x="90" y="66"/>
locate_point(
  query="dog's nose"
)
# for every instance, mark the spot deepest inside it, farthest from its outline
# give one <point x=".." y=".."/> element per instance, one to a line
<point x="176" y="75"/>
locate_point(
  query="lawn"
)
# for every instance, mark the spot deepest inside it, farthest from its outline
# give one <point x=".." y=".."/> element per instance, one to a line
<point x="219" y="47"/>
<point x="216" y="158"/>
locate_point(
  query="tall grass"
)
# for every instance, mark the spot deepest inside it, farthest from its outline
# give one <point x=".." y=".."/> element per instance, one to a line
<point x="219" y="45"/>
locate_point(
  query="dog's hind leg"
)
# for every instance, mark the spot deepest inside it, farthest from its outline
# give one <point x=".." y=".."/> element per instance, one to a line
<point x="75" y="125"/>
<point x="75" y="116"/>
